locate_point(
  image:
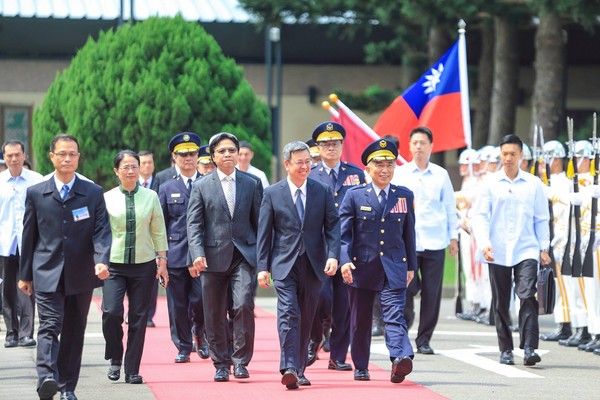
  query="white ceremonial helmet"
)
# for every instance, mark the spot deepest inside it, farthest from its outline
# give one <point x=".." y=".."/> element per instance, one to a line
<point x="485" y="153"/>
<point x="583" y="148"/>
<point x="468" y="156"/>
<point x="526" y="153"/>
<point x="554" y="149"/>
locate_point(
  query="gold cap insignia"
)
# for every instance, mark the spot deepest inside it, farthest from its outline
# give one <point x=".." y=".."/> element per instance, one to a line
<point x="186" y="138"/>
<point x="382" y="144"/>
<point x="329" y="127"/>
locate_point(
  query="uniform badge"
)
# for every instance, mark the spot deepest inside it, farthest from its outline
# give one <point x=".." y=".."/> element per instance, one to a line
<point x="175" y="194"/>
<point x="329" y="127"/>
<point x="382" y="144"/>
<point x="365" y="208"/>
<point x="186" y="138"/>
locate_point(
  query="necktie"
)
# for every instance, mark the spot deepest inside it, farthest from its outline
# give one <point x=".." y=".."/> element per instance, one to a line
<point x="189" y="184"/>
<point x="333" y="177"/>
<point x="145" y="184"/>
<point x="64" y="192"/>
<point x="229" y="195"/>
<point x="300" y="209"/>
<point x="382" y="201"/>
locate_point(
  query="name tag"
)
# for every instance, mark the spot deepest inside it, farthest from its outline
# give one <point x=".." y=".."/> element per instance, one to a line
<point x="175" y="194"/>
<point x="365" y="208"/>
<point x="80" y="214"/>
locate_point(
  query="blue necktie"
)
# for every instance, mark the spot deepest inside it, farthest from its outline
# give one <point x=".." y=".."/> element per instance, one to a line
<point x="333" y="177"/>
<point x="189" y="184"/>
<point x="382" y="201"/>
<point x="300" y="209"/>
<point x="64" y="192"/>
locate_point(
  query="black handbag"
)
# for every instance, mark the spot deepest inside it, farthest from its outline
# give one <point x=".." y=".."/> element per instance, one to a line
<point x="546" y="290"/>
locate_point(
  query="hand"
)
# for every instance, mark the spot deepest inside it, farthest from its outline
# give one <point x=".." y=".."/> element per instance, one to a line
<point x="200" y="264"/>
<point x="101" y="271"/>
<point x="595" y="191"/>
<point x="409" y="277"/>
<point x="545" y="258"/>
<point x="194" y="272"/>
<point x="488" y="254"/>
<point x="347" y="272"/>
<point x="26" y="287"/>
<point x="453" y="248"/>
<point x="576" y="199"/>
<point x="331" y="266"/>
<point x="264" y="279"/>
<point x="162" y="274"/>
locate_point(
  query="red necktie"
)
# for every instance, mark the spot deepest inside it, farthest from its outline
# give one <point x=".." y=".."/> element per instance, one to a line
<point x="145" y="184"/>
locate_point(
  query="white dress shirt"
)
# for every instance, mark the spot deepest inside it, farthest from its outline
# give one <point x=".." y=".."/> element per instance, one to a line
<point x="294" y="188"/>
<point x="13" y="191"/>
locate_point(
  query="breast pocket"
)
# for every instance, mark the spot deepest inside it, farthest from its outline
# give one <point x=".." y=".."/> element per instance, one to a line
<point x="366" y="222"/>
<point x="176" y="206"/>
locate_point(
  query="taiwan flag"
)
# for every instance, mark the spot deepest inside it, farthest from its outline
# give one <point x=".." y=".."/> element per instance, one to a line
<point x="439" y="100"/>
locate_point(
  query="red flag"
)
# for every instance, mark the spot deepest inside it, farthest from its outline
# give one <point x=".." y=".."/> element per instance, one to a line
<point x="438" y="100"/>
<point x="357" y="138"/>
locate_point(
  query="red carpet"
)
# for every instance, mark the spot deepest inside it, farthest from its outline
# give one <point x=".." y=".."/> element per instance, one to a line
<point x="194" y="380"/>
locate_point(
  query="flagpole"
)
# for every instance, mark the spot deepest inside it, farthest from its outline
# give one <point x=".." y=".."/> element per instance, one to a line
<point x="366" y="128"/>
<point x="464" y="82"/>
<point x="326" y="105"/>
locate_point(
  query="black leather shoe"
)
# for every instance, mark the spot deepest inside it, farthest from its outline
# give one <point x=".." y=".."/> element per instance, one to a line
<point x="27" y="342"/>
<point x="201" y="347"/>
<point x="303" y="381"/>
<point x="134" y="379"/>
<point x="425" y="349"/>
<point x="11" y="343"/>
<point x="150" y="324"/>
<point x="326" y="346"/>
<point x="507" y="358"/>
<point x="597" y="352"/>
<point x="362" y="375"/>
<point x="222" y="374"/>
<point x="339" y="365"/>
<point x="580" y="336"/>
<point x="182" y="358"/>
<point x="68" y="395"/>
<point x="313" y="353"/>
<point x="290" y="378"/>
<point x="48" y="389"/>
<point x="377" y="330"/>
<point x="400" y="368"/>
<point x="530" y="357"/>
<point x="240" y="371"/>
<point x="114" y="374"/>
<point x="593" y="345"/>
<point x="562" y="332"/>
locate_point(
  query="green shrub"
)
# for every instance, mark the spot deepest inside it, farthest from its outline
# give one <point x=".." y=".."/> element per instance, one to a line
<point x="137" y="86"/>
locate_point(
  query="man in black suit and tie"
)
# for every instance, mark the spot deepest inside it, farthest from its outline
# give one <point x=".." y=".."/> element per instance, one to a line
<point x="299" y="246"/>
<point x="184" y="292"/>
<point x="66" y="251"/>
<point x="222" y="224"/>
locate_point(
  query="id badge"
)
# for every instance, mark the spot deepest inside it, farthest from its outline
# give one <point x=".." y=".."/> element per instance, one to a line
<point x="80" y="214"/>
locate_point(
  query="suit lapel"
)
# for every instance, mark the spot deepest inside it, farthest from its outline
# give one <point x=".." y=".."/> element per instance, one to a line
<point x="372" y="199"/>
<point x="286" y="195"/>
<point x="218" y="189"/>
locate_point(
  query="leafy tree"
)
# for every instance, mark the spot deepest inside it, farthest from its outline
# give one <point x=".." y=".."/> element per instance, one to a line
<point x="137" y="86"/>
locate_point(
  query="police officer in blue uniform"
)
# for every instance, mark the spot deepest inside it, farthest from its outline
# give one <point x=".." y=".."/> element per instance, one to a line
<point x="378" y="259"/>
<point x="184" y="292"/>
<point x="333" y="302"/>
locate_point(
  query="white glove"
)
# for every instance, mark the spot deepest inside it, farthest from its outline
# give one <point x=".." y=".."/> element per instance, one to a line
<point x="594" y="191"/>
<point x="558" y="241"/>
<point x="576" y="199"/>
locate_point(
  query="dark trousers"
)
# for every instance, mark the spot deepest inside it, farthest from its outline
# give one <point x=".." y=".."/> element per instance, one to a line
<point x="322" y="321"/>
<point x="297" y="297"/>
<point x="361" y="313"/>
<point x="153" y="300"/>
<point x="215" y="288"/>
<point x="186" y="314"/>
<point x="18" y="309"/>
<point x="137" y="281"/>
<point x="525" y="277"/>
<point x="428" y="280"/>
<point x="340" y="319"/>
<point x="65" y="316"/>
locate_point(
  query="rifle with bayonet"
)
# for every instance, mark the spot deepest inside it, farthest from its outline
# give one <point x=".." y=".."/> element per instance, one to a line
<point x="588" y="259"/>
<point x="546" y="179"/>
<point x="573" y="266"/>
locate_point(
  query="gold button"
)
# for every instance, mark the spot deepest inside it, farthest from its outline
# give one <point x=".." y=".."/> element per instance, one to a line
<point x="383" y="231"/>
<point x="353" y="258"/>
<point x="174" y="201"/>
<point x="404" y="259"/>
<point x="364" y="217"/>
<point x="381" y="253"/>
<point x="398" y="219"/>
<point x="336" y="204"/>
<point x="382" y="219"/>
<point x="381" y="242"/>
<point x="335" y="194"/>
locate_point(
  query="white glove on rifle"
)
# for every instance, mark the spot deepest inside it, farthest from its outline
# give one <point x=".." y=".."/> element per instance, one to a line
<point x="594" y="191"/>
<point x="576" y="199"/>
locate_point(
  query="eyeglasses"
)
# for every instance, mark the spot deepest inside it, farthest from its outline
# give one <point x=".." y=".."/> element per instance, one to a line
<point x="301" y="164"/>
<point x="129" y="167"/>
<point x="230" y="150"/>
<point x="187" y="154"/>
<point x="333" y="143"/>
<point x="64" y="155"/>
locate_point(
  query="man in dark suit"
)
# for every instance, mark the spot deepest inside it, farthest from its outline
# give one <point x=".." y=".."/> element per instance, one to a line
<point x="333" y="301"/>
<point x="166" y="175"/>
<point x="378" y="259"/>
<point x="184" y="292"/>
<point x="299" y="246"/>
<point x="222" y="224"/>
<point x="66" y="250"/>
